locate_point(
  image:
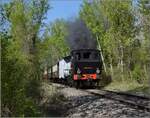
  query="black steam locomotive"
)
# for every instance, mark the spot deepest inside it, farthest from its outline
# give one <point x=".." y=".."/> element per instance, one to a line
<point x="86" y="67"/>
<point x="82" y="68"/>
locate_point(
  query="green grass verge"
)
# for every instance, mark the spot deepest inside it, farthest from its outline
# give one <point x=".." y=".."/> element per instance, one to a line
<point x="130" y="86"/>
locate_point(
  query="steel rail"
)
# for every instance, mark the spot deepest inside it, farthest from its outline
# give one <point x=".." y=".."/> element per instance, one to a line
<point x="132" y="100"/>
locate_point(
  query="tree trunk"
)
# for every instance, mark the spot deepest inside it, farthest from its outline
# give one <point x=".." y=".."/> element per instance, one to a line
<point x="122" y="63"/>
<point x="102" y="57"/>
<point x="51" y="72"/>
<point x="111" y="68"/>
<point x="145" y="71"/>
<point x="47" y="73"/>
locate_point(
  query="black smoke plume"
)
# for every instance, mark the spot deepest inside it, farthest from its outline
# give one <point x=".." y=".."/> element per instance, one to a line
<point x="79" y="36"/>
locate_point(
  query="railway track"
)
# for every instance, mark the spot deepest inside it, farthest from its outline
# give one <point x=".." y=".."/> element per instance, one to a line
<point x="100" y="103"/>
<point x="136" y="101"/>
<point x="139" y="102"/>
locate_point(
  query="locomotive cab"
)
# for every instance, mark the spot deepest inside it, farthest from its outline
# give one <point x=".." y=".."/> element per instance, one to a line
<point x="86" y="66"/>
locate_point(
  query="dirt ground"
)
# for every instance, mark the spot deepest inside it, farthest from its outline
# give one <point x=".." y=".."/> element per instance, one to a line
<point x="61" y="101"/>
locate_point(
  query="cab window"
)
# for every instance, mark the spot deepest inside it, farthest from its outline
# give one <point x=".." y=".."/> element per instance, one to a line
<point x="78" y="56"/>
<point x="86" y="55"/>
<point x="95" y="55"/>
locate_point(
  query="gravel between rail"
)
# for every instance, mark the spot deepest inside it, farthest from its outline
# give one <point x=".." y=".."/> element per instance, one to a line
<point x="81" y="103"/>
<point x="129" y="99"/>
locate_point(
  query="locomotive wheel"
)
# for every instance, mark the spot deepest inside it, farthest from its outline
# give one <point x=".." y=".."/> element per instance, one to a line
<point x="80" y="84"/>
<point x="76" y="84"/>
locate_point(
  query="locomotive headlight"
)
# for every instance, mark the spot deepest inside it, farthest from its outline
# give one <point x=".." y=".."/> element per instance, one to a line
<point x="78" y="71"/>
<point x="97" y="71"/>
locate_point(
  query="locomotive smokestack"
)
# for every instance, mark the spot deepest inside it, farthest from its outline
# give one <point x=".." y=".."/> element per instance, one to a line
<point x="79" y="36"/>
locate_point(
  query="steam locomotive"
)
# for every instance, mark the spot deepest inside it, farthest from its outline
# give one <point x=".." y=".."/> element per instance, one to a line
<point x="82" y="68"/>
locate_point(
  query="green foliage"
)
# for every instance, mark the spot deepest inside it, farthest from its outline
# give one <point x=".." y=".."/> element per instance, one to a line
<point x="20" y="57"/>
<point x="113" y="22"/>
<point x="143" y="7"/>
<point x="14" y="76"/>
<point x="25" y="55"/>
<point x="54" y="43"/>
<point x="137" y="73"/>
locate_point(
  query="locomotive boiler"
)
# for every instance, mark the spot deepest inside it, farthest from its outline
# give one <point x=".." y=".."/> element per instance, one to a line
<point x="86" y="67"/>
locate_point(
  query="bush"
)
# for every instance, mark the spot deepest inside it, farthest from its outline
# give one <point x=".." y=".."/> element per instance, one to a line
<point x="138" y="74"/>
<point x="105" y="79"/>
<point x="16" y="73"/>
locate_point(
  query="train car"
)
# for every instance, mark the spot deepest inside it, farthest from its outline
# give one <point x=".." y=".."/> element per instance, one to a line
<point x="55" y="71"/>
<point x="64" y="67"/>
<point x="53" y="74"/>
<point x="61" y="71"/>
<point x="86" y="67"/>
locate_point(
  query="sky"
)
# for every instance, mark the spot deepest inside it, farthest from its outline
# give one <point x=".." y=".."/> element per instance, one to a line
<point x="65" y="9"/>
<point x="60" y="9"/>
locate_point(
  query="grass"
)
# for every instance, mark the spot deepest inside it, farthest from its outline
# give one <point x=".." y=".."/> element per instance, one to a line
<point x="130" y="86"/>
<point x="52" y="102"/>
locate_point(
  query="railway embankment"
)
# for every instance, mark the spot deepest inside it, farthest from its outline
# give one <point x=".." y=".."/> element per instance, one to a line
<point x="130" y="86"/>
<point x="52" y="102"/>
<point x="63" y="101"/>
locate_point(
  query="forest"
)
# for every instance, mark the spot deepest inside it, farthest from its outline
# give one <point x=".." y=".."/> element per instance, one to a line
<point x="29" y="46"/>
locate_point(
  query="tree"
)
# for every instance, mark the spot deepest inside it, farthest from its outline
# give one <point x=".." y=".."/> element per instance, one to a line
<point x="20" y="57"/>
<point x="96" y="21"/>
<point x="113" y="23"/>
<point x="144" y="18"/>
<point x="55" y="40"/>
